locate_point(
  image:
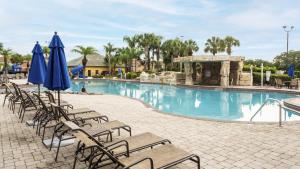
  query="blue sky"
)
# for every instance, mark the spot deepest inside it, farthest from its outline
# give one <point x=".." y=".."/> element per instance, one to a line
<point x="256" y="23"/>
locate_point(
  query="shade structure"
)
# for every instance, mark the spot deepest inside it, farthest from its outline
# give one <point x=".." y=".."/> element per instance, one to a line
<point x="57" y="76"/>
<point x="291" y="71"/>
<point x="38" y="68"/>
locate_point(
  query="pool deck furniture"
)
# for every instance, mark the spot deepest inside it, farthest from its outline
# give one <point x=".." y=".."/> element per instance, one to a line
<point x="293" y="103"/>
<point x="96" y="130"/>
<point x="160" y="157"/>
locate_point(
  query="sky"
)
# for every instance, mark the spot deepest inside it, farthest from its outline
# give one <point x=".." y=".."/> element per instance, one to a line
<point x="256" y="23"/>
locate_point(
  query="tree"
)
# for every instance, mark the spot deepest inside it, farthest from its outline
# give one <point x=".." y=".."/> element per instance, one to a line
<point x="144" y="41"/>
<point x="190" y="47"/>
<point x="109" y="49"/>
<point x="155" y="47"/>
<point x="6" y="53"/>
<point x="16" y="58"/>
<point x="214" y="45"/>
<point x="229" y="43"/>
<point x="84" y="51"/>
<point x="283" y="61"/>
<point x="46" y="51"/>
<point x="131" y="41"/>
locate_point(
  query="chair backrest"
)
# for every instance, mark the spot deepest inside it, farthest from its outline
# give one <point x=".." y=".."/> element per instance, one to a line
<point x="50" y="96"/>
<point x="17" y="89"/>
<point x="278" y="81"/>
<point x="28" y="97"/>
<point x="44" y="107"/>
<point x="88" y="140"/>
<point x="60" y="111"/>
<point x="8" y="89"/>
<point x="294" y="82"/>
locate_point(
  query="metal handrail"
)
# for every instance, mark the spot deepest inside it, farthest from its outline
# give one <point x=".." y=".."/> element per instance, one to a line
<point x="268" y="100"/>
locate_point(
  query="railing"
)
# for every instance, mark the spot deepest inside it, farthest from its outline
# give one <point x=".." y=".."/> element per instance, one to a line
<point x="267" y="101"/>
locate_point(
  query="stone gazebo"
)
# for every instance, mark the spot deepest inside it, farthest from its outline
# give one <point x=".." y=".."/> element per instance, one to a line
<point x="212" y="70"/>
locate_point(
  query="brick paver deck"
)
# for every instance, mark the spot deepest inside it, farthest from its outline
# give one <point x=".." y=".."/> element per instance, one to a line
<point x="220" y="145"/>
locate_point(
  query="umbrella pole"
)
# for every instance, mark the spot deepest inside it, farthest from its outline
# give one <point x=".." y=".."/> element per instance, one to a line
<point x="58" y="93"/>
<point x="39" y="92"/>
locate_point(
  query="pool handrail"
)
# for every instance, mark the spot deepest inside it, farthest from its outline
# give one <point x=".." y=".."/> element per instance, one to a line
<point x="281" y="106"/>
<point x="267" y="101"/>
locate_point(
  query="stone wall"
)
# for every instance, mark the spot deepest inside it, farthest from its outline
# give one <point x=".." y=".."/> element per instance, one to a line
<point x="168" y="77"/>
<point x="245" y="79"/>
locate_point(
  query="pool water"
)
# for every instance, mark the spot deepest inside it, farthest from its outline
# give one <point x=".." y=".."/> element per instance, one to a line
<point x="199" y="103"/>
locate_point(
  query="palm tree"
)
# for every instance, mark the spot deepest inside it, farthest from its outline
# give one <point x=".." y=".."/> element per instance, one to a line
<point x="191" y="47"/>
<point x="6" y="53"/>
<point x="46" y="51"/>
<point x="214" y="45"/>
<point x="84" y="51"/>
<point x="144" y="41"/>
<point x="155" y="47"/>
<point x="131" y="41"/>
<point x="229" y="43"/>
<point x="109" y="49"/>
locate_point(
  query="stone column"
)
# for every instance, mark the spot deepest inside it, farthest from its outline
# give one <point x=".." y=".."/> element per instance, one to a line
<point x="188" y="73"/>
<point x="224" y="73"/>
<point x="239" y="71"/>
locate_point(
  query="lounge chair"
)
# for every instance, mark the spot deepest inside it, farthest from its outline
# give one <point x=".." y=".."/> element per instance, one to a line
<point x="49" y="117"/>
<point x="279" y="83"/>
<point x="10" y="95"/>
<point x="96" y="130"/>
<point x="160" y="157"/>
<point x="62" y="102"/>
<point x="294" y="84"/>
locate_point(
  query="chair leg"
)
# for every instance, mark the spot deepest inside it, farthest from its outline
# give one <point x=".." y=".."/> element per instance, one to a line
<point x="58" y="149"/>
<point x="75" y="160"/>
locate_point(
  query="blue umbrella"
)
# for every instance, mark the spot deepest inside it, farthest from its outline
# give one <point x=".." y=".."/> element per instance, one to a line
<point x="38" y="67"/>
<point x="57" y="76"/>
<point x="291" y="70"/>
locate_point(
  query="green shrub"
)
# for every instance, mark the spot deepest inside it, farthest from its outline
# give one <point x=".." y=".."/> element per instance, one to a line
<point x="131" y="75"/>
<point x="257" y="76"/>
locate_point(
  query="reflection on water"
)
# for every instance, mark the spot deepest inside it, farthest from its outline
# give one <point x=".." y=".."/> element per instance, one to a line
<point x="215" y="104"/>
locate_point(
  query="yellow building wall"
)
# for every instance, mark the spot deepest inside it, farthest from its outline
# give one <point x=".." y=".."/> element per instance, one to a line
<point x="94" y="70"/>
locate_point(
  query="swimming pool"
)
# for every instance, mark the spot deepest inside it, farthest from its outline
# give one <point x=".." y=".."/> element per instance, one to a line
<point x="196" y="103"/>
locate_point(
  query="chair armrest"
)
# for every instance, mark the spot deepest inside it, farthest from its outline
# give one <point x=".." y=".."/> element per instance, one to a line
<point x="139" y="161"/>
<point x="118" y="144"/>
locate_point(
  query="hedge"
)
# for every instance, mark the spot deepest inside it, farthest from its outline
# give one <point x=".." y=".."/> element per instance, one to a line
<point x="131" y="75"/>
<point x="257" y="78"/>
<point x="258" y="69"/>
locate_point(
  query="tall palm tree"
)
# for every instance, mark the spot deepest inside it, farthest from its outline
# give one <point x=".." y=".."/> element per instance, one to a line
<point x="156" y="41"/>
<point x="131" y="41"/>
<point x="46" y="51"/>
<point x="144" y="41"/>
<point x="191" y="47"/>
<point x="229" y="43"/>
<point x="214" y="45"/>
<point x="6" y="53"/>
<point x="84" y="51"/>
<point x="109" y="49"/>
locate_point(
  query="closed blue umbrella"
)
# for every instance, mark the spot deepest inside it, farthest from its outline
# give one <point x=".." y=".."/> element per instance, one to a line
<point x="37" y="70"/>
<point x="57" y="76"/>
<point x="291" y="71"/>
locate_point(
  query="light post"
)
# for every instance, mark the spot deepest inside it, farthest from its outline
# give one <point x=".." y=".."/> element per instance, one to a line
<point x="287" y="29"/>
<point x="180" y="63"/>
